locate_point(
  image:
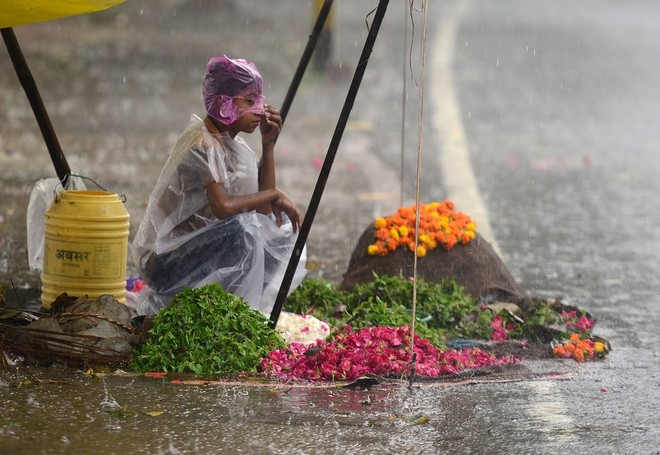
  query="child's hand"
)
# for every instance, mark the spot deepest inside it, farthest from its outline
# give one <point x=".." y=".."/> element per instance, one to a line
<point x="271" y="124"/>
<point x="286" y="205"/>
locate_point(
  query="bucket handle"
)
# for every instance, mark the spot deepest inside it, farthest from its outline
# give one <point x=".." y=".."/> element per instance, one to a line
<point x="57" y="194"/>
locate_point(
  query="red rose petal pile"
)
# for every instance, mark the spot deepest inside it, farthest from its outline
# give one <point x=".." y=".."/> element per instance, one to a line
<point x="377" y="351"/>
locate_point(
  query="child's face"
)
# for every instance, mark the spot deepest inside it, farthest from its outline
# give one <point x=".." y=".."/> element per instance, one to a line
<point x="253" y="108"/>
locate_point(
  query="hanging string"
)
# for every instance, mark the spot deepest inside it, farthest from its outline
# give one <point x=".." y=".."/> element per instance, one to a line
<point x="404" y="96"/>
<point x="407" y="58"/>
<point x="420" y="129"/>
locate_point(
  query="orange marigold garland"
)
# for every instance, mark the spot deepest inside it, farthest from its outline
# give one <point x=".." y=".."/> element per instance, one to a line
<point x="579" y="349"/>
<point x="439" y="225"/>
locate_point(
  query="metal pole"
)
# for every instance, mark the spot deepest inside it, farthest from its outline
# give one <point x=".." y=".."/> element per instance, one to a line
<point x="305" y="58"/>
<point x="327" y="164"/>
<point x="27" y="81"/>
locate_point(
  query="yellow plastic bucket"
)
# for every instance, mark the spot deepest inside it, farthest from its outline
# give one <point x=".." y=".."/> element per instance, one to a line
<point x="86" y="246"/>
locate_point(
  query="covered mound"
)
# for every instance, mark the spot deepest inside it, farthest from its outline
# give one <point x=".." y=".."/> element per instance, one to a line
<point x="447" y="246"/>
<point x="475" y="266"/>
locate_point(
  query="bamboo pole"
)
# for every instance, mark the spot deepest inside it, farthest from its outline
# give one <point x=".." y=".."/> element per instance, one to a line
<point x="305" y="58"/>
<point x="27" y="81"/>
<point x="327" y="164"/>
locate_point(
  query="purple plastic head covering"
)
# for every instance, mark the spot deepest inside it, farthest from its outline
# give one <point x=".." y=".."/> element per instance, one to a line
<point x="226" y="79"/>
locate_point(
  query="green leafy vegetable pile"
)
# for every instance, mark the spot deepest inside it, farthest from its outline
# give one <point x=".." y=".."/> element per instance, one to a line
<point x="451" y="312"/>
<point x="387" y="301"/>
<point x="206" y="331"/>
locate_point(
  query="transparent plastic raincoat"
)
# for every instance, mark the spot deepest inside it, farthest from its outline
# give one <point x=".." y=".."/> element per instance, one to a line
<point x="180" y="243"/>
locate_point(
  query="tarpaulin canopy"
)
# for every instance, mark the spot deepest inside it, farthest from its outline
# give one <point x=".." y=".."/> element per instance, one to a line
<point x="21" y="12"/>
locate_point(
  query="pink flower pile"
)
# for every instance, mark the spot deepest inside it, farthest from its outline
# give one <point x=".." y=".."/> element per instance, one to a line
<point x="500" y="332"/>
<point x="582" y="323"/>
<point x="377" y="351"/>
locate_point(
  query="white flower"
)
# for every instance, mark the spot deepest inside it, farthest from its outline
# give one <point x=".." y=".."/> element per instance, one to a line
<point x="301" y="328"/>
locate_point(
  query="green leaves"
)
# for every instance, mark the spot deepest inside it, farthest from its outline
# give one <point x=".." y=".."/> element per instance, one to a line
<point x="317" y="296"/>
<point x="205" y="331"/>
<point x="446" y="302"/>
<point x="387" y="300"/>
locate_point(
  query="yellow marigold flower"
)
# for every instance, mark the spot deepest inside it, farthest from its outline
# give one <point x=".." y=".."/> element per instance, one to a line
<point x="380" y="222"/>
<point x="372" y="249"/>
<point x="444" y="224"/>
<point x="421" y="251"/>
<point x="439" y="225"/>
<point x="599" y="346"/>
<point x="428" y="241"/>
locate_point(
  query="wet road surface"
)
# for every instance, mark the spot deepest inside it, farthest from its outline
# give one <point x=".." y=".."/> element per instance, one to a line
<point x="558" y="103"/>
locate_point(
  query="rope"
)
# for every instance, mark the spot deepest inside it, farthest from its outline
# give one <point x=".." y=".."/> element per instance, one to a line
<point x="404" y="96"/>
<point x="420" y="129"/>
